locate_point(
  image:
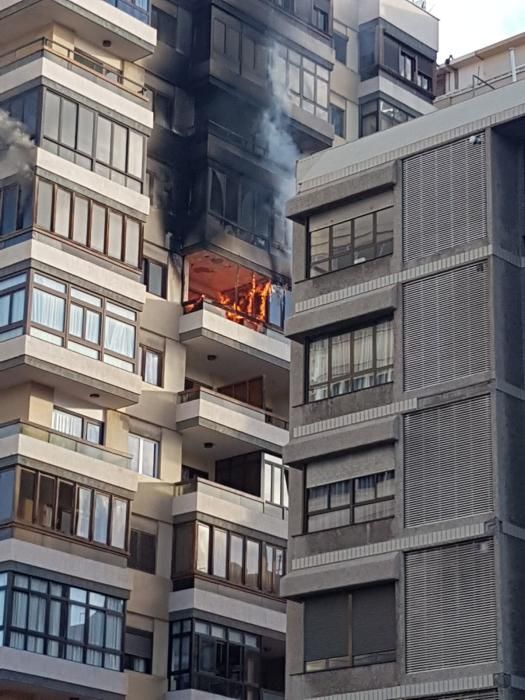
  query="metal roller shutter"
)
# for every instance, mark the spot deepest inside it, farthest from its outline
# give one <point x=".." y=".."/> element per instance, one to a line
<point x="448" y="462"/>
<point x="446" y="326"/>
<point x="326" y="627"/>
<point x="450" y="606"/>
<point x="444" y="198"/>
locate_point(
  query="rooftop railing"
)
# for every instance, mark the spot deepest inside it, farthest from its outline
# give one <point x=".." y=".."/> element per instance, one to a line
<point x="53" y="437"/>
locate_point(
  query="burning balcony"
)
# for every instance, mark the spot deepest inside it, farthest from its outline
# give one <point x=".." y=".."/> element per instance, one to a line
<point x="233" y="315"/>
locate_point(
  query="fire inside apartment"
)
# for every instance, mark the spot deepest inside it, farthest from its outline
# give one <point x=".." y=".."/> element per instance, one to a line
<point x="146" y="155"/>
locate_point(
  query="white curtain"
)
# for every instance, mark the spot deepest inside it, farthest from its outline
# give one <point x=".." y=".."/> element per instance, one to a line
<point x="319" y="362"/>
<point x="48" y="310"/>
<point x="118" y="523"/>
<point x="100" y="530"/>
<point x="19" y="613"/>
<point x="84" y="510"/>
<point x="37" y="614"/>
<point x="92" y="327"/>
<point x="385" y="344"/>
<point x="120" y="337"/>
<point x="67" y="423"/>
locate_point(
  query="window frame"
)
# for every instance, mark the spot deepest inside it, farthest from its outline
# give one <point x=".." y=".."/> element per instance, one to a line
<point x="229" y="578"/>
<point x="140" y="455"/>
<point x="146" y="274"/>
<point x="331" y="259"/>
<point x="351" y="377"/>
<point x="104" y="310"/>
<point x="91" y="203"/>
<point x="137" y="559"/>
<point x="6" y="291"/>
<point x="67" y="597"/>
<point x="33" y="522"/>
<point x="86" y="422"/>
<point x="333" y="110"/>
<point x="352" y="504"/>
<point x="144" y="350"/>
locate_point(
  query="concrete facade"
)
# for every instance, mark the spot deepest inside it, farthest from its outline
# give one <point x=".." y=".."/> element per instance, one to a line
<point x="444" y="552"/>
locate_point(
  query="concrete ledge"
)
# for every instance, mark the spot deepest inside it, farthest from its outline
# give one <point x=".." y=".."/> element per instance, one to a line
<point x="378" y="569"/>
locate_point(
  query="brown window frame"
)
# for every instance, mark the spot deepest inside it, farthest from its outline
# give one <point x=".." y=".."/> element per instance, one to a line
<point x="143" y="351"/>
<point x="74" y="196"/>
<point x="146" y="262"/>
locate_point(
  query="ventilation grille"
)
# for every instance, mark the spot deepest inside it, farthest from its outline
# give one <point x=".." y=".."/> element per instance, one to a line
<point x="448" y="462"/>
<point x="444" y="198"/>
<point x="450" y="607"/>
<point x="446" y="326"/>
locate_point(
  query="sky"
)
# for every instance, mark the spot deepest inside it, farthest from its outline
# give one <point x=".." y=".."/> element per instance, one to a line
<point x="467" y="25"/>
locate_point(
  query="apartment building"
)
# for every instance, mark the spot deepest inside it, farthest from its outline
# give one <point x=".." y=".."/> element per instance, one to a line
<point x="145" y="277"/>
<point x="405" y="555"/>
<point x="483" y="70"/>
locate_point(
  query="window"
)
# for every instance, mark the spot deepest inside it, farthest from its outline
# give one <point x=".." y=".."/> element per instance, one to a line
<point x="216" y="552"/>
<point x="88" y="223"/>
<point x="379" y="115"/>
<point x="341" y="46"/>
<point x="359" y="359"/>
<point x="352" y="501"/>
<point x="92" y="141"/>
<point x="424" y="82"/>
<point x="62" y="621"/>
<point x="25" y="108"/>
<point x="286" y="5"/>
<point x="163" y="109"/>
<point x="370" y="614"/>
<point x="337" y="120"/>
<point x="70" y="317"/>
<point x="215" y="659"/>
<point x="321" y="19"/>
<point x="166" y="26"/>
<point x="7" y="490"/>
<point x="77" y="426"/>
<point x="12" y="306"/>
<point x="275" y="481"/>
<point x="155" y="275"/>
<point x="15" y="208"/>
<point x="144" y="455"/>
<point x="138" y="649"/>
<point x="142" y="551"/>
<point x="151" y="366"/>
<point x="306" y="81"/>
<point x="407" y="66"/>
<point x="74" y="510"/>
<point x="351" y="242"/>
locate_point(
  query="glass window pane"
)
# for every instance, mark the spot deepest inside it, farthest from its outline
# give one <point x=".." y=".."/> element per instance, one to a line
<point x="252" y="563"/>
<point x="26" y="498"/>
<point x="80" y="220"/>
<point x="236" y="558"/>
<point x="340" y="494"/>
<point x="83" y="512"/>
<point x="135" y="154"/>
<point x="155" y="281"/>
<point x="365" y="489"/>
<point x="103" y="140"/>
<point x="51" y="115"/>
<point x="203" y="547"/>
<point x="68" y="123"/>
<point x="44" y="205"/>
<point x="267" y="482"/>
<point x="363" y="239"/>
<point x="75" y="623"/>
<point x="341" y="355"/>
<point x="68" y="423"/>
<point x="385" y="344"/>
<point x="76" y="321"/>
<point x="9" y="204"/>
<point x="65" y="507"/>
<point x="85" y="130"/>
<point x="101" y="518"/>
<point x="96" y="628"/>
<point x="151" y="367"/>
<point x="318" y="361"/>
<point x="364" y="357"/>
<point x="219" y="553"/>
<point x="5" y="306"/>
<point x="7" y="482"/>
<point x="119" y="523"/>
<point x="98" y="227"/>
<point x="93" y="433"/>
<point x="131" y="252"/>
<point x="115" y="235"/>
<point x="134" y="451"/>
<point x="322" y="93"/>
<point x="17" y="306"/>
<point x="46" y="501"/>
<point x="48" y="310"/>
<point x="119" y="337"/>
<point x="118" y="151"/>
<point x="149" y="457"/>
<point x="276" y="485"/>
<point x="385" y="484"/>
<point x="385" y="231"/>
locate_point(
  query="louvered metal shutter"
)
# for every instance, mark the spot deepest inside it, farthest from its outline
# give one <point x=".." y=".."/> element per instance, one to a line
<point x="448" y="462"/>
<point x="446" y="326"/>
<point x="450" y="606"/>
<point x="444" y="198"/>
<point x="326" y="626"/>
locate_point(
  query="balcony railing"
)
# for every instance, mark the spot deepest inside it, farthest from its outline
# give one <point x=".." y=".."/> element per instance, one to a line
<point x="76" y="58"/>
<point x="226" y="493"/>
<point x="252" y="411"/>
<point x="66" y="441"/>
<point x="141" y="9"/>
<point x="206" y="304"/>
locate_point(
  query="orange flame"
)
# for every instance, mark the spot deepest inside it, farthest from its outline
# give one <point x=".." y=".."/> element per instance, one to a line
<point x="249" y="305"/>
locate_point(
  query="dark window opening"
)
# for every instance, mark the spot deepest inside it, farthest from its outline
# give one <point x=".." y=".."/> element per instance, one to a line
<point x="142" y="551"/>
<point x="341" y="47"/>
<point x="338" y="120"/>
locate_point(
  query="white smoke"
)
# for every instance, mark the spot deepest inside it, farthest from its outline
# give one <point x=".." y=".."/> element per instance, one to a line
<point x="17" y="150"/>
<point x="279" y="144"/>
